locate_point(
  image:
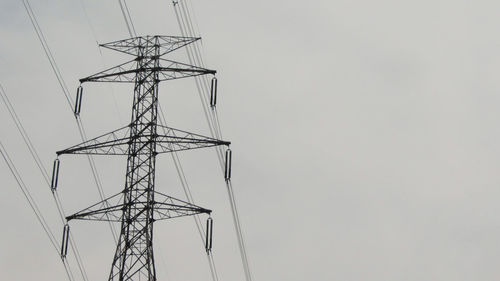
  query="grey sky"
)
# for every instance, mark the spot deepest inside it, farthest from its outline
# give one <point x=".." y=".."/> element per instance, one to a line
<point x="364" y="133"/>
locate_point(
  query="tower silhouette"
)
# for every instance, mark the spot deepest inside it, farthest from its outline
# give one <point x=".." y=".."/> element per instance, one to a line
<point x="139" y="205"/>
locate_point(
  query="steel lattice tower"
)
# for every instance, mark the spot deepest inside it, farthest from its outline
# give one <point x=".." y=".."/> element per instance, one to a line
<point x="139" y="205"/>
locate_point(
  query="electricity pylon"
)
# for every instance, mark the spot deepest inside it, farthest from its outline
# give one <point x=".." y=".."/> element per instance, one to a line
<point x="138" y="205"/>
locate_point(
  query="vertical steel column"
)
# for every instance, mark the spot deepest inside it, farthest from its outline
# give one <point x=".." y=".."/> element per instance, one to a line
<point x="133" y="258"/>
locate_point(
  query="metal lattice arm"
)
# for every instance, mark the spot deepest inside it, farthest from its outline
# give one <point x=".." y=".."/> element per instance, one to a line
<point x="171" y="140"/>
<point x="164" y="207"/>
<point x="113" y="143"/>
<point x="167" y="70"/>
<point x="166" y="44"/>
<point x="167" y="140"/>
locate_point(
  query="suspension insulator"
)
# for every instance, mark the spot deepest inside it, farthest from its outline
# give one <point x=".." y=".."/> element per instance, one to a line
<point x="65" y="240"/>
<point x="213" y="92"/>
<point x="55" y="174"/>
<point x="227" y="170"/>
<point x="78" y="100"/>
<point x="208" y="236"/>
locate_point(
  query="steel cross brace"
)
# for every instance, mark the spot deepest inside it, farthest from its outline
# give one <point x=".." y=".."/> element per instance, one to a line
<point x="165" y="207"/>
<point x="167" y="140"/>
<point x="167" y="70"/>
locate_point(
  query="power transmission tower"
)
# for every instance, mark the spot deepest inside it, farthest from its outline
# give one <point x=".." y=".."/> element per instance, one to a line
<point x="139" y="205"/>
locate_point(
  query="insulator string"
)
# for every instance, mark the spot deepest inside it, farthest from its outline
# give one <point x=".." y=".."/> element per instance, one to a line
<point x="34" y="207"/>
<point x="41" y="167"/>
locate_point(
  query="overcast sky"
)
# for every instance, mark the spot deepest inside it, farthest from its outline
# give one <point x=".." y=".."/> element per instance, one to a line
<point x="365" y="137"/>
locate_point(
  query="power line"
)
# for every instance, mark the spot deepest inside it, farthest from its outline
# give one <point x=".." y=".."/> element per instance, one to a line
<point x="213" y="124"/>
<point x="46" y="49"/>
<point x="65" y="91"/>
<point x="195" y="57"/>
<point x="34" y="207"/>
<point x="27" y="140"/>
<point x="127" y="18"/>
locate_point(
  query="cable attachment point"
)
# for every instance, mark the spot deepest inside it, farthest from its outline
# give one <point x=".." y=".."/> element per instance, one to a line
<point x="208" y="236"/>
<point x="78" y="101"/>
<point x="227" y="170"/>
<point x="213" y="92"/>
<point x="55" y="174"/>
<point x="65" y="240"/>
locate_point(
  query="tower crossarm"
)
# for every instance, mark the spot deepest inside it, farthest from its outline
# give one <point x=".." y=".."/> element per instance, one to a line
<point x="164" y="206"/>
<point x="166" y="70"/>
<point x="149" y="44"/>
<point x="167" y="140"/>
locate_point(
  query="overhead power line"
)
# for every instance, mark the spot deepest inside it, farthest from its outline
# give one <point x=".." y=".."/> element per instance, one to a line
<point x="194" y="54"/>
<point x="31" y="148"/>
<point x="34" y="207"/>
<point x="65" y="91"/>
<point x="210" y="111"/>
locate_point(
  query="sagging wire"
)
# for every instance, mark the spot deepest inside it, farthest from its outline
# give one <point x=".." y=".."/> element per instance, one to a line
<point x="127" y="17"/>
<point x="197" y="79"/>
<point x="34" y="207"/>
<point x="43" y="171"/>
<point x="190" y="199"/>
<point x="92" y="29"/>
<point x="94" y="34"/>
<point x="65" y="91"/>
<point x="199" y="58"/>
<point x="214" y="125"/>
<point x="46" y="49"/>
<point x="96" y="177"/>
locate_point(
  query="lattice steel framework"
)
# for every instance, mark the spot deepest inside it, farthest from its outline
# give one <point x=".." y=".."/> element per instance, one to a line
<point x="138" y="205"/>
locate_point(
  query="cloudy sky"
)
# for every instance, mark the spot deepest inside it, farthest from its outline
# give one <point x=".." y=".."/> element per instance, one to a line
<point x="365" y="137"/>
